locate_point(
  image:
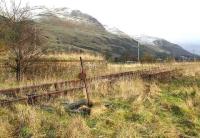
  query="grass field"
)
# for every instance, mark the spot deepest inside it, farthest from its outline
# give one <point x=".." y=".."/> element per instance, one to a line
<point x="125" y="108"/>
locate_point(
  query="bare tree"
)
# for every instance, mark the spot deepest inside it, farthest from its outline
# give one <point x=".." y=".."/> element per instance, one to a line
<point x="20" y="35"/>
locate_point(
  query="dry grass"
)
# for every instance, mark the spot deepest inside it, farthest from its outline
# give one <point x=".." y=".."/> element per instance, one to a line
<point x="48" y="72"/>
<point x="77" y="128"/>
<point x="6" y="129"/>
<point x="74" y="56"/>
<point x="122" y="108"/>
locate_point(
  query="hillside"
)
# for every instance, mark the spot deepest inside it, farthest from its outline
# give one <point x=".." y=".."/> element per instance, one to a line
<point x="72" y="30"/>
<point x="163" y="46"/>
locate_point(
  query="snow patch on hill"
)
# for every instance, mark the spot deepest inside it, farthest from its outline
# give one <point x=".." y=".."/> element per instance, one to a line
<point x="67" y="14"/>
<point x="146" y="40"/>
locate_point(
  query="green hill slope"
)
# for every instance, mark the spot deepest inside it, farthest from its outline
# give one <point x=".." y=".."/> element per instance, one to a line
<point x="76" y="31"/>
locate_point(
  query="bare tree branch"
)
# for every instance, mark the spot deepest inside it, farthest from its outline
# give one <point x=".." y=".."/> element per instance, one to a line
<point x="21" y="36"/>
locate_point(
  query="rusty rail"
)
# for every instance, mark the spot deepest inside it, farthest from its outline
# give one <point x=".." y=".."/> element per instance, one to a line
<point x="35" y="97"/>
<point x="144" y="74"/>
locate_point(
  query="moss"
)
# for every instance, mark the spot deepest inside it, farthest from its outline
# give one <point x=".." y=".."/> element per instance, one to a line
<point x="177" y="111"/>
<point x="25" y="132"/>
<point x="91" y="123"/>
<point x="50" y="132"/>
<point x="134" y="117"/>
<point x="114" y="104"/>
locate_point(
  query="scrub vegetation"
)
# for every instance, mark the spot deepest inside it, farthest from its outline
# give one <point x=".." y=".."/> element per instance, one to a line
<point x="123" y="108"/>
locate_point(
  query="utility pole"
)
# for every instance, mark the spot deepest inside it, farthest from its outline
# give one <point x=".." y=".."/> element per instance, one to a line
<point x="138" y="51"/>
<point x="35" y="31"/>
<point x="194" y="55"/>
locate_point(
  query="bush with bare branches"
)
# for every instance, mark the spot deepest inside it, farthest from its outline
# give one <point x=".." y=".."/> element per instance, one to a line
<point x="21" y="36"/>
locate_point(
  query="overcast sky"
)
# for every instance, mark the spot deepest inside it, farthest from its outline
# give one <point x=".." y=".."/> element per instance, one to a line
<point x="175" y="20"/>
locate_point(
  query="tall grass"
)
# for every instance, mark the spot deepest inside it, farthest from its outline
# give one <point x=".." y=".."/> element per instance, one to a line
<point x="51" y="72"/>
<point x="73" y="56"/>
<point x="122" y="108"/>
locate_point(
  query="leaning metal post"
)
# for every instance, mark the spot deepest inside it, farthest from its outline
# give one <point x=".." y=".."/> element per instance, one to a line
<point x="82" y="76"/>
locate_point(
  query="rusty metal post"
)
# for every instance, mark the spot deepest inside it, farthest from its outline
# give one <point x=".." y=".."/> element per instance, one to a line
<point x="82" y="76"/>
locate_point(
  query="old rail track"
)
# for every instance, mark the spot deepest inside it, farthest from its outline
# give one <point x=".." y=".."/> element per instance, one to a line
<point x="64" y="87"/>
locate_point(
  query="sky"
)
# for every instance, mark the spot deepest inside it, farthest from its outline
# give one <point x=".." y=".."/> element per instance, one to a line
<point x="174" y="20"/>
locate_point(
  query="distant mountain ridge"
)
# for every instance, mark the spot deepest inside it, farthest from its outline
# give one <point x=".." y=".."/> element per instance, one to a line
<point x="163" y="45"/>
<point x="72" y="30"/>
<point x="67" y="14"/>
